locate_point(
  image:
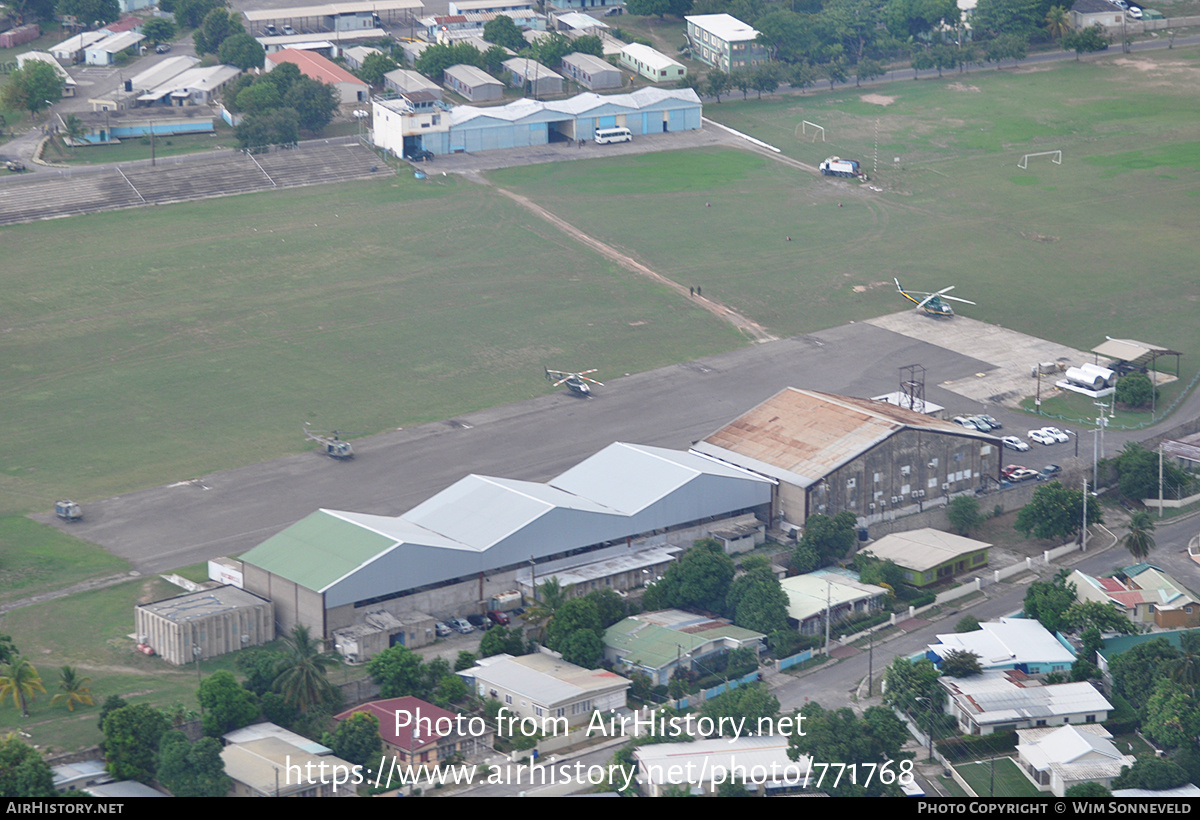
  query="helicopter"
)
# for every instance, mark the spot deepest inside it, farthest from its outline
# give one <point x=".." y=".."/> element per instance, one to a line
<point x="935" y="304"/>
<point x="577" y="382"/>
<point x="68" y="510"/>
<point x="331" y="445"/>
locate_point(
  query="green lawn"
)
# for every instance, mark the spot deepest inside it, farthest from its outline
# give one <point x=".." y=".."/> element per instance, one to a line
<point x="1102" y="245"/>
<point x="159" y="344"/>
<point x="35" y="558"/>
<point x="1009" y="781"/>
<point x="135" y="149"/>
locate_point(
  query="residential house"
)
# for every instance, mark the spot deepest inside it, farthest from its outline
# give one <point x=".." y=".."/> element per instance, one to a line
<point x="1003" y="700"/>
<point x="658" y="643"/>
<point x="414" y="731"/>
<point x="543" y="685"/>
<point x="1057" y="759"/>
<point x="930" y="556"/>
<point x="1010" y="643"/>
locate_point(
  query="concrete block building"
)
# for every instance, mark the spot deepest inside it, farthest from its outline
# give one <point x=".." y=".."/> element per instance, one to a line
<point x="591" y="71"/>
<point x="725" y="42"/>
<point x="651" y="64"/>
<point x="473" y="83"/>
<point x="215" y="621"/>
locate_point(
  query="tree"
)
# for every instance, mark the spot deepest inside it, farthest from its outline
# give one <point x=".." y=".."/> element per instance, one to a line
<point x="218" y="25"/>
<point x="1010" y="46"/>
<point x="1137" y="474"/>
<point x="1048" y="601"/>
<point x="1137" y="671"/>
<point x="450" y="689"/>
<point x="765" y="78"/>
<point x="700" y="579"/>
<point x="1089" y="789"/>
<point x="20" y="683"/>
<point x="8" y="650"/>
<point x="437" y="58"/>
<point x="583" y="648"/>
<point x="23" y="772"/>
<point x="959" y="663"/>
<point x="111" y="704"/>
<point x="191" y="13"/>
<point x="717" y="83"/>
<point x="831" y="538"/>
<point x="27" y="11"/>
<point x="1085" y="41"/>
<point x="259" y="98"/>
<point x="648" y="8"/>
<point x="282" y="76"/>
<point x="1151" y="773"/>
<point x="1139" y="541"/>
<point x="1086" y="616"/>
<point x="131" y="738"/>
<point x="159" y="30"/>
<point x="241" y="50"/>
<point x="963" y="514"/>
<point x="1058" y="22"/>
<point x="609" y="606"/>
<point x="909" y="683"/>
<point x="792" y="37"/>
<point x="840" y="735"/>
<point x="500" y="640"/>
<point x="88" y="12"/>
<point x="356" y="739"/>
<point x="29" y="88"/>
<point x="550" y="597"/>
<point x="191" y="770"/>
<point x="551" y="48"/>
<point x="1135" y="390"/>
<point x="1055" y="512"/>
<point x="1185" y="670"/>
<point x="589" y="44"/>
<point x="493" y="60"/>
<point x="74" y="689"/>
<point x="576" y="615"/>
<point x="301" y="672"/>
<point x="997" y="17"/>
<point x="752" y="702"/>
<point x="502" y="31"/>
<point x="968" y="623"/>
<point x="465" y="660"/>
<point x="314" y="103"/>
<point x="279" y="126"/>
<point x="398" y="671"/>
<point x="756" y="599"/>
<point x="227" y="704"/>
<point x="867" y="70"/>
<point x="1172" y="718"/>
<point x="375" y="66"/>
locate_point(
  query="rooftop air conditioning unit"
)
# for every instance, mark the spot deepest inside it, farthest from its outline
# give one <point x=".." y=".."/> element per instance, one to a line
<point x="946" y="486"/>
<point x="895" y="499"/>
<point x="871" y="506"/>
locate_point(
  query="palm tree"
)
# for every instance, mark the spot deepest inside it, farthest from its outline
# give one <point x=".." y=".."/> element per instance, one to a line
<point x="300" y="675"/>
<point x="73" y="129"/>
<point x="552" y="595"/>
<point x="1186" y="668"/>
<point x="74" y="689"/>
<point x="1058" y="22"/>
<point x="1139" y="541"/>
<point x="22" y="682"/>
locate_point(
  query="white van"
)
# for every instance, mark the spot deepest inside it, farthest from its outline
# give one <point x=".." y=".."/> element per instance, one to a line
<point x="607" y="135"/>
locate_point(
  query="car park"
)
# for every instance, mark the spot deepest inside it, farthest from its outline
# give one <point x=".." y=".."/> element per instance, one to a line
<point x="461" y="626"/>
<point x="442" y="629"/>
<point x="1058" y="435"/>
<point x="498" y="618"/>
<point x="1014" y="443"/>
<point x="1041" y="437"/>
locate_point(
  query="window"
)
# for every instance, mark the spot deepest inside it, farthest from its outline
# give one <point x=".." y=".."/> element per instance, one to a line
<point x="508" y="699"/>
<point x="1090" y="719"/>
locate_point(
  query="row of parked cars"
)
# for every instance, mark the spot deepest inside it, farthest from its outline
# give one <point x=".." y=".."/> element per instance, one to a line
<point x="467" y="625"/>
<point x="1016" y="472"/>
<point x="1132" y="11"/>
<point x="984" y="424"/>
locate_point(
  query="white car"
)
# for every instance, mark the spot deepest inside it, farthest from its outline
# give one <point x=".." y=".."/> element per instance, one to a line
<point x="1058" y="435"/>
<point x="1135" y="12"/>
<point x="1041" y="437"/>
<point x="289" y="31"/>
<point x="1014" y="443"/>
<point x="1121" y="4"/>
<point x="461" y="626"/>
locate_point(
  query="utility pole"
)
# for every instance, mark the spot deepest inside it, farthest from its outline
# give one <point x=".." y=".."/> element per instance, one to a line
<point x="1083" y="537"/>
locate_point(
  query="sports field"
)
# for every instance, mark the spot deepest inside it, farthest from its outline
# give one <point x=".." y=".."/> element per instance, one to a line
<point x="1102" y="245"/>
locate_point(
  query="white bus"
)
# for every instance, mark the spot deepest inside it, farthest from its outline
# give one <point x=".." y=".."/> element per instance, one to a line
<point x="607" y="135"/>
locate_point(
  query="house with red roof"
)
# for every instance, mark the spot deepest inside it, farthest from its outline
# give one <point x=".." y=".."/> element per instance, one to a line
<point x="418" y="732"/>
<point x="349" y="88"/>
<point x="1143" y="593"/>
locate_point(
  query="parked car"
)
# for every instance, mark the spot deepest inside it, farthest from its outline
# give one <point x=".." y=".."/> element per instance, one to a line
<point x="271" y="31"/>
<point x="498" y="618"/>
<point x="1058" y="435"/>
<point x="442" y="629"/>
<point x="1135" y="12"/>
<point x="1014" y="443"/>
<point x="992" y="421"/>
<point x="981" y="423"/>
<point x="1010" y="469"/>
<point x="1121" y="4"/>
<point x="1041" y="437"/>
<point x="419" y="156"/>
<point x="963" y="421"/>
<point x="162" y="48"/>
<point x="1048" y="472"/>
<point x="461" y="626"/>
<point x="477" y="621"/>
<point x="1023" y="474"/>
<point x="289" y="31"/>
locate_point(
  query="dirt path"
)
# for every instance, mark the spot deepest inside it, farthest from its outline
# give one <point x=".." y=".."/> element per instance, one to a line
<point x="752" y="329"/>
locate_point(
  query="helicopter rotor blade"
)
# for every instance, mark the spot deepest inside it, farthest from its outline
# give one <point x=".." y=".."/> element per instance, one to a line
<point x="956" y="299"/>
<point x="924" y="301"/>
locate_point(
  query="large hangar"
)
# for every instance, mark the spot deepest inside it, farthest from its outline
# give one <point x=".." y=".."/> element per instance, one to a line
<point x="482" y="536"/>
<point x="833" y="453"/>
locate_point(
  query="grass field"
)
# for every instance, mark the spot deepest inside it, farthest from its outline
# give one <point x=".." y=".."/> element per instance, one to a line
<point x="155" y="345"/>
<point x="1102" y="245"/>
<point x="1009" y="781"/>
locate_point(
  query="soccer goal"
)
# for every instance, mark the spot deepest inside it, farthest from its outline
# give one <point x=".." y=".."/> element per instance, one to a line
<point x="1055" y="157"/>
<point x="805" y="125"/>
